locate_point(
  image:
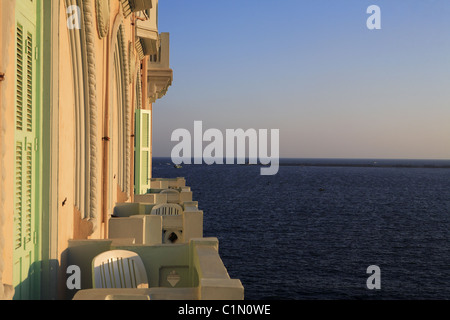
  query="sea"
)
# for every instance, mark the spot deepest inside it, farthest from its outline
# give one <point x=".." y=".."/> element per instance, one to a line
<point x="312" y="231"/>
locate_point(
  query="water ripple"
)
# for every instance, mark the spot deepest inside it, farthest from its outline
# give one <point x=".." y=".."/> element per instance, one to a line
<point x="311" y="232"/>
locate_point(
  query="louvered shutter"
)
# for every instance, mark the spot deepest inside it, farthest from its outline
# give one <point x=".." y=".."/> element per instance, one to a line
<point x="143" y="152"/>
<point x="26" y="218"/>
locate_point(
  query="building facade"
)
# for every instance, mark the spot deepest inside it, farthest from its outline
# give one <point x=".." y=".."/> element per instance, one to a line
<point x="78" y="80"/>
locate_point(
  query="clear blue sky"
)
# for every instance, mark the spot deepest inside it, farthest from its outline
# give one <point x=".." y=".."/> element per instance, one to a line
<point x="313" y="70"/>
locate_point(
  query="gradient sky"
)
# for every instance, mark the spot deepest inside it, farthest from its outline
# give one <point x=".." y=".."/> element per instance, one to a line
<point x="312" y="69"/>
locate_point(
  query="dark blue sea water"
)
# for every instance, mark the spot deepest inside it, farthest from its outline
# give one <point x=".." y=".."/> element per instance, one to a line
<point x="311" y="231"/>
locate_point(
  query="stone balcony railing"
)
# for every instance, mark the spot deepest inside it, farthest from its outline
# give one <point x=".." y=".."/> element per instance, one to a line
<point x="159" y="74"/>
<point x="144" y="223"/>
<point x="166" y="191"/>
<point x="190" y="271"/>
<point x="166" y="183"/>
<point x="161" y="216"/>
<point x="161" y="196"/>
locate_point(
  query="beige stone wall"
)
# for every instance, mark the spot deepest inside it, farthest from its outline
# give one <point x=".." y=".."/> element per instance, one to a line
<point x="69" y="221"/>
<point x="104" y="49"/>
<point x="66" y="146"/>
<point x="111" y="103"/>
<point x="71" y="226"/>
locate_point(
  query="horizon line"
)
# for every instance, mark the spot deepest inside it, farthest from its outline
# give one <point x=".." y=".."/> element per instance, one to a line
<point x="330" y="158"/>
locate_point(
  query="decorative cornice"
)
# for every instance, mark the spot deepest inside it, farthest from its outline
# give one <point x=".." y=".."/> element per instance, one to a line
<point x="92" y="84"/>
<point x="102" y="8"/>
<point x="138" y="90"/>
<point x="126" y="73"/>
<point x="78" y="81"/>
<point x="132" y="60"/>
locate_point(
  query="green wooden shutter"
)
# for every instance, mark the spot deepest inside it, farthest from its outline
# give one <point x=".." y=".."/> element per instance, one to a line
<point x="143" y="152"/>
<point x="26" y="216"/>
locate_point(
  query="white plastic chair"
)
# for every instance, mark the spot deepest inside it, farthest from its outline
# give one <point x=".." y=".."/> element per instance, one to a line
<point x="168" y="209"/>
<point x="119" y="269"/>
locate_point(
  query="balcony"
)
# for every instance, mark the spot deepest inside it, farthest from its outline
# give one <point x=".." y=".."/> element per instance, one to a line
<point x="155" y="224"/>
<point x="164" y="183"/>
<point x="170" y="195"/>
<point x="166" y="214"/>
<point x="130" y="6"/>
<point x="147" y="35"/>
<point x="166" y="191"/>
<point x="160" y="76"/>
<point x="165" y="229"/>
<point x="190" y="271"/>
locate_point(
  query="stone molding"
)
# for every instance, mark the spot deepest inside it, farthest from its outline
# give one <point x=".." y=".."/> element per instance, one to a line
<point x="102" y="8"/>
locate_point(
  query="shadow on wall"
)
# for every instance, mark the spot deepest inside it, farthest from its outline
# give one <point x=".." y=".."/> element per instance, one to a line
<point x="80" y="253"/>
<point x="29" y="288"/>
<point x="45" y="280"/>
